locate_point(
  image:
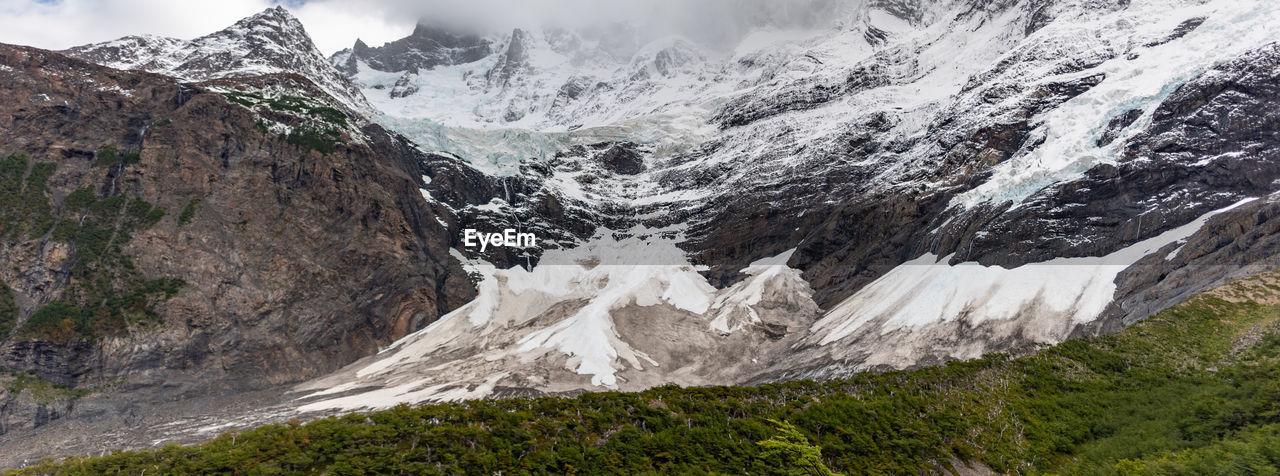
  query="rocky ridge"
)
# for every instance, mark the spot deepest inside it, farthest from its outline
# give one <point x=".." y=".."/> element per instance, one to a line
<point x="272" y="41"/>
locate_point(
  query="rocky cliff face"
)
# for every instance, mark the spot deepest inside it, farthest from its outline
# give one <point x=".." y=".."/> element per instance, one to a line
<point x="249" y="257"/>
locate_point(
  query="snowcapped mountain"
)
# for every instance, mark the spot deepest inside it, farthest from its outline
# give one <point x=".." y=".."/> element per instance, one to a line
<point x="544" y="80"/>
<point x="911" y="183"/>
<point x="870" y="184"/>
<point x="272" y="41"/>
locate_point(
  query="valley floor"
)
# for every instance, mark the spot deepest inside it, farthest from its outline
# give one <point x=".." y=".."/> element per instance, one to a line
<point x="1192" y="390"/>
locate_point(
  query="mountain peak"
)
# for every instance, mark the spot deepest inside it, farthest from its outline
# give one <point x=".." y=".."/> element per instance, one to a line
<point x="270" y="41"/>
<point x="428" y="47"/>
<point x="273" y="24"/>
<point x="276" y="13"/>
<point x="513" y="61"/>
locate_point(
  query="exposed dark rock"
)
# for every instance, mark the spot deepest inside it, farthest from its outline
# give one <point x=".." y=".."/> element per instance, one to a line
<point x="301" y="261"/>
<point x="428" y="47"/>
<point x="514" y="60"/>
<point x="810" y="93"/>
<point x="622" y="159"/>
<point x="1181" y="30"/>
<point x="404" y="86"/>
<point x="1118" y="124"/>
<point x="1220" y="118"/>
<point x="1040" y="16"/>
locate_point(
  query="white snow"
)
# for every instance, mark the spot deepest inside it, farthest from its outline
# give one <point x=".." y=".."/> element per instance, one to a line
<point x="888" y="22"/>
<point x="927" y="290"/>
<point x="1232" y="27"/>
<point x="415" y="391"/>
<point x="643" y="271"/>
<point x="740" y="300"/>
<point x="637" y="268"/>
<point x="606" y="272"/>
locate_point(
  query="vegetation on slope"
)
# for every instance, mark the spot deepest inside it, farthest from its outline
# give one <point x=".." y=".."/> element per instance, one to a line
<point x="38" y="389"/>
<point x="1194" y="389"/>
<point x="106" y="292"/>
<point x="24" y="209"/>
<point x="8" y="310"/>
<point x="319" y="128"/>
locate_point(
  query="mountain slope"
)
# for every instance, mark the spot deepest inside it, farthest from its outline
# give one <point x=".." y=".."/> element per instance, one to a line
<point x="171" y="244"/>
<point x="1189" y="390"/>
<point x="972" y="178"/>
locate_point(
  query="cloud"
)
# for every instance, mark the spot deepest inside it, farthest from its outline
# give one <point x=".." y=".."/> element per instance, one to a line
<point x="335" y="24"/>
<point x="709" y="20"/>
<point x="65" y="23"/>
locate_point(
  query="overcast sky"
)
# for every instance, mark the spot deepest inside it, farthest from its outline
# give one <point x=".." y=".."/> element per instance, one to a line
<point x="335" y="24"/>
<point x="58" y="24"/>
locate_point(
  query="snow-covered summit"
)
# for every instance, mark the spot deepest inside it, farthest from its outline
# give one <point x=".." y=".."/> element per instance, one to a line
<point x="271" y="41"/>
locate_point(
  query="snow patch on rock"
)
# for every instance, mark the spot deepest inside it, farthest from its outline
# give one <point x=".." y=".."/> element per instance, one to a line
<point x="1141" y="79"/>
<point x="927" y="290"/>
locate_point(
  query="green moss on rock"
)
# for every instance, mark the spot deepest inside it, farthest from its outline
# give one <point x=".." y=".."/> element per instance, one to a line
<point x="8" y="311"/>
<point x="38" y="389"/>
<point x="106" y="293"/>
<point x="24" y="200"/>
<point x="188" y="212"/>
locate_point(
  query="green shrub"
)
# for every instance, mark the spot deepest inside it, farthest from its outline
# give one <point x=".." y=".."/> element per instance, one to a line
<point x="106" y="293"/>
<point x="330" y="115"/>
<point x="309" y="138"/>
<point x="39" y="389"/>
<point x="288" y="103"/>
<point x="298" y="105"/>
<point x="8" y="311"/>
<point x="24" y="202"/>
<point x="80" y="199"/>
<point x="63" y="321"/>
<point x="106" y="157"/>
<point x="188" y="212"/>
<point x="65" y="231"/>
<point x="59" y="321"/>
<point x="789" y="453"/>
<point x="154" y="216"/>
<point x="244" y="99"/>
<point x="143" y="214"/>
<point x="110" y="155"/>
